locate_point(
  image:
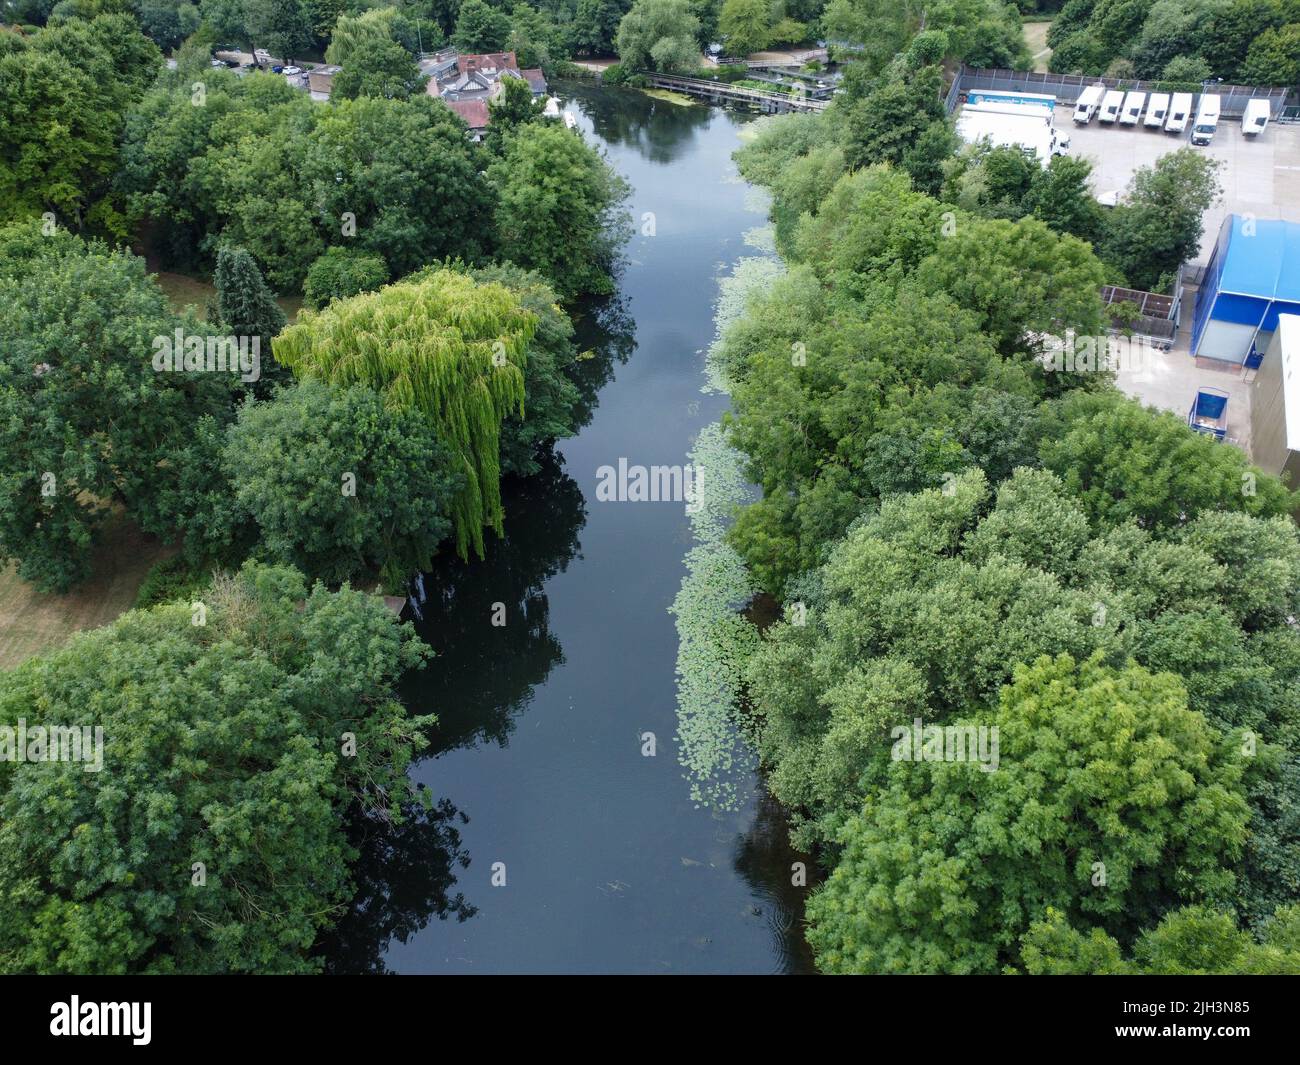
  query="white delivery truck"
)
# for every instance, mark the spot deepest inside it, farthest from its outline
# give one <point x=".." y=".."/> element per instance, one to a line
<point x="1016" y="99"/>
<point x="1255" y="117"/>
<point x="1207" y="119"/>
<point x="1110" y="105"/>
<point x="1157" y="109"/>
<point x="1180" y="108"/>
<point x="1030" y="130"/>
<point x="1087" y="103"/>
<point x="1132" y="109"/>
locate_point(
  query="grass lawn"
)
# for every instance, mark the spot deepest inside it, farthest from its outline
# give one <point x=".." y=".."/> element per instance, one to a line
<point x="32" y="623"/>
<point x="1036" y="39"/>
<point x="184" y="291"/>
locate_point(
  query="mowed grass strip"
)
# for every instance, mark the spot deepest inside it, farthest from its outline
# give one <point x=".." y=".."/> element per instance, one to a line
<point x="183" y="291"/>
<point x="1036" y="39"/>
<point x="32" y="623"/>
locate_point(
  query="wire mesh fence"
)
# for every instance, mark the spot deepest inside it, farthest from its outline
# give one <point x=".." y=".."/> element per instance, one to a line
<point x="1067" y="87"/>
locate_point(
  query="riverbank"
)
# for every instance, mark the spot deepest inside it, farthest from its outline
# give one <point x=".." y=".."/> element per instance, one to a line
<point x="555" y="755"/>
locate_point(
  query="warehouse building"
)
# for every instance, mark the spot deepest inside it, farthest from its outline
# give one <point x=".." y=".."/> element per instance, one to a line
<point x="1253" y="276"/>
<point x="1275" y="404"/>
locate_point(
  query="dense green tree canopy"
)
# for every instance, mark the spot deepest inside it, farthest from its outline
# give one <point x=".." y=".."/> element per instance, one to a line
<point x="1109" y="799"/>
<point x="1188" y="41"/>
<point x="1192" y="941"/>
<point x="225" y="172"/>
<point x="514" y="107"/>
<point x="443" y="345"/>
<point x="378" y="68"/>
<point x="64" y="97"/>
<point x="406" y="172"/>
<point x="340" y="273"/>
<point x="659" y="35"/>
<point x="480" y="27"/>
<point x="1121" y="462"/>
<point x="340" y="486"/>
<point x="212" y="840"/>
<point x="930" y="606"/>
<point x="246" y="306"/>
<point x="167" y="22"/>
<point x="559" y="208"/>
<point x="595" y="25"/>
<point x="1157" y="227"/>
<point x="1004" y="183"/>
<point x="1274" y="57"/>
<point x="279" y="26"/>
<point x="551" y="400"/>
<point x="86" y="421"/>
<point x="376" y="25"/>
<point x="940" y="506"/>
<point x="746" y="25"/>
<point x="262" y="166"/>
<point x="979" y="32"/>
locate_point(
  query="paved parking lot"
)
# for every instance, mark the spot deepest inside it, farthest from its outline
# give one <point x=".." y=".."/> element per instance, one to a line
<point x="1170" y="379"/>
<point x="1260" y="176"/>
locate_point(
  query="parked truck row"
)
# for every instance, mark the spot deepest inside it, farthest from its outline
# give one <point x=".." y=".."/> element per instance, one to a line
<point x="1026" y="125"/>
<point x="1165" y="111"/>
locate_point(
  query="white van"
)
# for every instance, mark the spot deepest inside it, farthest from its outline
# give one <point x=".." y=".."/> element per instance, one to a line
<point x="1180" y="109"/>
<point x="1132" y="109"/>
<point x="1087" y="103"/>
<point x="1207" y="119"/>
<point x="1255" y="118"/>
<point x="1157" y="109"/>
<point x="1110" y="105"/>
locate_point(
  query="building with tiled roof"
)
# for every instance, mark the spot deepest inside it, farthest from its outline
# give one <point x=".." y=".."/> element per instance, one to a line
<point x="475" y="114"/>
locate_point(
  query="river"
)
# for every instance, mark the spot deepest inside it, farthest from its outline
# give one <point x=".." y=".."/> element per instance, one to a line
<point x="536" y="773"/>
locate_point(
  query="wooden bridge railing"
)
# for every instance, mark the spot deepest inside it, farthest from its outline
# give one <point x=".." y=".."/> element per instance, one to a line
<point x="721" y="90"/>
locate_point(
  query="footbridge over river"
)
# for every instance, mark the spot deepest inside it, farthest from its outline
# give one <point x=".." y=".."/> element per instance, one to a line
<point x="720" y="92"/>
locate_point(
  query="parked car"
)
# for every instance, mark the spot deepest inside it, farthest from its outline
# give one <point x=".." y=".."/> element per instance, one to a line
<point x="1207" y="119"/>
<point x="1255" y="118"/>
<point x="1179" y="110"/>
<point x="1110" y="105"/>
<point x="290" y="71"/>
<point x="1085" y="107"/>
<point x="1132" y="109"/>
<point x="1157" y="109"/>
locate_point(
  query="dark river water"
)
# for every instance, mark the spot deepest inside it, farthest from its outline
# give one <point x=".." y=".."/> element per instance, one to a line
<point x="537" y="761"/>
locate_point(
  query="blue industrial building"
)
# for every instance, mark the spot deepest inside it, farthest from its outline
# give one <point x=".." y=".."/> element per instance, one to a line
<point x="1253" y="276"/>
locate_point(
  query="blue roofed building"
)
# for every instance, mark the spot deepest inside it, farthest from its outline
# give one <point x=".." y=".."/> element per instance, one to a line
<point x="1253" y="276"/>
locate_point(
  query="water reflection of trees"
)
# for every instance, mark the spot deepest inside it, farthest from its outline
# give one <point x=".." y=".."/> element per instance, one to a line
<point x="405" y="876"/>
<point x="603" y="329"/>
<point x="481" y="678"/>
<point x="483" y="675"/>
<point x="764" y="858"/>
<point x="658" y="130"/>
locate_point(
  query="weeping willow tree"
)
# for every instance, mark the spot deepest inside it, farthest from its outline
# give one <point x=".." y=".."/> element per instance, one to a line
<point x="441" y="344"/>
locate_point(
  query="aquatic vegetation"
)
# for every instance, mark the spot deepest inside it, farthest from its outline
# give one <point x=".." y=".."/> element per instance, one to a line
<point x="752" y="274"/>
<point x="715" y="642"/>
